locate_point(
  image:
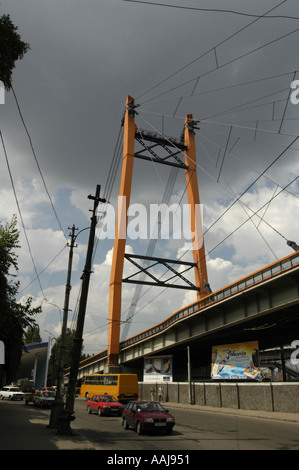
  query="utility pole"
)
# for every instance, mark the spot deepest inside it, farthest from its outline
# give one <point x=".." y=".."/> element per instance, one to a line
<point x="57" y="406"/>
<point x="68" y="415"/>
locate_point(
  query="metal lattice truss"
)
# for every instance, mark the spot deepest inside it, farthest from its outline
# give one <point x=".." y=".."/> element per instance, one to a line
<point x="155" y="281"/>
<point x="151" y="142"/>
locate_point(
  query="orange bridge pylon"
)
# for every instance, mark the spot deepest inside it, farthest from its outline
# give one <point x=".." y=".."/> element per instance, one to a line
<point x="173" y="148"/>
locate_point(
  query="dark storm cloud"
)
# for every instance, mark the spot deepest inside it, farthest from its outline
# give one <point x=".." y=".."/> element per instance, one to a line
<point x="86" y="57"/>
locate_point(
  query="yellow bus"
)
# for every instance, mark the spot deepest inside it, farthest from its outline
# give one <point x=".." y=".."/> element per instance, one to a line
<point x="123" y="387"/>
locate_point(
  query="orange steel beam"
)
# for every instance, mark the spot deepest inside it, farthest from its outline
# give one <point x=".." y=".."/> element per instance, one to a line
<point x="201" y="277"/>
<point x="114" y="312"/>
<point x="201" y="274"/>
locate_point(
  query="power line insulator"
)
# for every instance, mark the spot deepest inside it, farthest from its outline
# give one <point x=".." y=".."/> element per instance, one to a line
<point x="293" y="245"/>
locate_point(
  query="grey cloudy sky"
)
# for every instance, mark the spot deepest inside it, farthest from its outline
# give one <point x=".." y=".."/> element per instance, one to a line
<point x="232" y="71"/>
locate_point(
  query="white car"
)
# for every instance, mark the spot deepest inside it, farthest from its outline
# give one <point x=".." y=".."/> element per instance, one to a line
<point x="12" y="393"/>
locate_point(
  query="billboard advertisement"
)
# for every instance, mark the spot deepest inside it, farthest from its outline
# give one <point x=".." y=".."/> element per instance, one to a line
<point x="236" y="361"/>
<point x="157" y="369"/>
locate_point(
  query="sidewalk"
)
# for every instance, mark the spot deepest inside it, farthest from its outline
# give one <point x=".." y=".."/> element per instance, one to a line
<point x="290" y="417"/>
<point x="26" y="428"/>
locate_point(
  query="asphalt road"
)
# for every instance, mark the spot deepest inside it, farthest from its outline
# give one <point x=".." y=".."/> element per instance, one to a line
<point x="25" y="427"/>
<point x="194" y="430"/>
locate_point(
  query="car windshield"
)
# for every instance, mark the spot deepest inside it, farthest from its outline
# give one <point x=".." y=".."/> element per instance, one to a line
<point x="48" y="394"/>
<point x="108" y="398"/>
<point x="150" y="406"/>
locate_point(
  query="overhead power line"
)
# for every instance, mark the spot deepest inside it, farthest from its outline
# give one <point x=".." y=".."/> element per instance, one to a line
<point x="37" y="163"/>
<point x="218" y="67"/>
<point x="213" y="10"/>
<point x="20" y="213"/>
<point x="214" y="90"/>
<point x="245" y="191"/>
<point x="213" y="50"/>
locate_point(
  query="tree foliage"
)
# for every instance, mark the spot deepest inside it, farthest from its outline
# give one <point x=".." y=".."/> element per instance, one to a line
<point x="32" y="335"/>
<point x="12" y="48"/>
<point x="56" y="349"/>
<point x="54" y="361"/>
<point x="15" y="318"/>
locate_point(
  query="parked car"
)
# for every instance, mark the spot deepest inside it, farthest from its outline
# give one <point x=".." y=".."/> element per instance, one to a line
<point x="104" y="405"/>
<point x="147" y="416"/>
<point x="12" y="393"/>
<point x="43" y="398"/>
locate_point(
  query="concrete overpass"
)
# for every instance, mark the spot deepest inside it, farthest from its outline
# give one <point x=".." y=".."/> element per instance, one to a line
<point x="34" y="363"/>
<point x="262" y="306"/>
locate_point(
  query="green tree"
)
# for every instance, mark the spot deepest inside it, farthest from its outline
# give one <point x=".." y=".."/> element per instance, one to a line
<point x="12" y="48"/>
<point x="54" y="360"/>
<point x="55" y="352"/>
<point x="14" y="317"/>
<point x="32" y="335"/>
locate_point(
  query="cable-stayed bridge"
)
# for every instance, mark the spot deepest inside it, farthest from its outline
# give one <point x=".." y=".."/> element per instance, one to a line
<point x="261" y="307"/>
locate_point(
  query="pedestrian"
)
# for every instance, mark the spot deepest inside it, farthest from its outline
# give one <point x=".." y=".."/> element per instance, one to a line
<point x="160" y="393"/>
<point x="152" y="393"/>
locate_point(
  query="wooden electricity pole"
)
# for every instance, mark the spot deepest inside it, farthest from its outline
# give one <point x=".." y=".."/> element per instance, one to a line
<point x="57" y="406"/>
<point x="64" y="427"/>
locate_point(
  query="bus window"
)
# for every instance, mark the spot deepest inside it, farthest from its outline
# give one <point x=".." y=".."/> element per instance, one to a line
<point x="123" y="387"/>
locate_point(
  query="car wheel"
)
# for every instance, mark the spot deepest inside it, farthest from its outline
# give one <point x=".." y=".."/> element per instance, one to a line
<point x="125" y="424"/>
<point x="169" y="431"/>
<point x="139" y="429"/>
<point x="88" y="410"/>
<point x="100" y="411"/>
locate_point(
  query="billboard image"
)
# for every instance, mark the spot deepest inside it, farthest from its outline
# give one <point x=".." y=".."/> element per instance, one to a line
<point x="157" y="369"/>
<point x="236" y="361"/>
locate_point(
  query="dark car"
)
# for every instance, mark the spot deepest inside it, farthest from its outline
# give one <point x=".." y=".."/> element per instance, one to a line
<point x="147" y="416"/>
<point x="104" y="405"/>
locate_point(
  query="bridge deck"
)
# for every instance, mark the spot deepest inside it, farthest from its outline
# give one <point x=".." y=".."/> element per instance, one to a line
<point x="246" y="300"/>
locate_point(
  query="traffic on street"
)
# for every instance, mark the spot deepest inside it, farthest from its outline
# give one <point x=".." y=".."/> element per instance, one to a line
<point x="26" y="427"/>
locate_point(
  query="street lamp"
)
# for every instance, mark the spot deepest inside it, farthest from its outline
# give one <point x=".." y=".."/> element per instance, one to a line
<point x="54" y="305"/>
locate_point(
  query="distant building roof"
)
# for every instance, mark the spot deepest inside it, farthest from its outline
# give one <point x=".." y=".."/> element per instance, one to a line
<point x="34" y="363"/>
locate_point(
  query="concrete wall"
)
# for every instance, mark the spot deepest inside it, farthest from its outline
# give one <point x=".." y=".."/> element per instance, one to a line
<point x="265" y="396"/>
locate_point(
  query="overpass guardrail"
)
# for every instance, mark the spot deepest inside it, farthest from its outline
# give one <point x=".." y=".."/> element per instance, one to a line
<point x="264" y="274"/>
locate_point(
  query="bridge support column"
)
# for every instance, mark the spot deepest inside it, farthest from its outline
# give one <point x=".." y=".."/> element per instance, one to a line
<point x="114" y="313"/>
<point x="198" y="247"/>
<point x="201" y="277"/>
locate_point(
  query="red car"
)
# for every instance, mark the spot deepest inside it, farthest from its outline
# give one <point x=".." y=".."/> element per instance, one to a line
<point x="147" y="416"/>
<point x="104" y="405"/>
